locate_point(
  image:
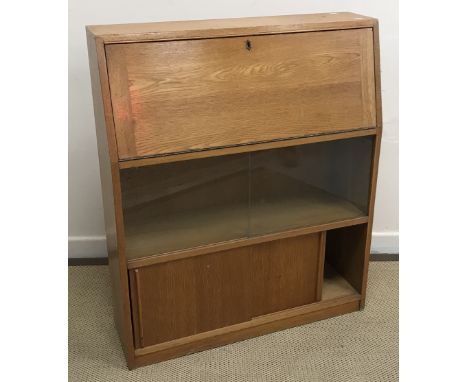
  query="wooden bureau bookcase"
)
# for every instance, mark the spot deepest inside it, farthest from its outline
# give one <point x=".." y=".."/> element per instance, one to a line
<point x="238" y="164"/>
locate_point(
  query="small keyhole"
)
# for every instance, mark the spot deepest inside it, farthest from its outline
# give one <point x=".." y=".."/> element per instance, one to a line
<point x="248" y="45"/>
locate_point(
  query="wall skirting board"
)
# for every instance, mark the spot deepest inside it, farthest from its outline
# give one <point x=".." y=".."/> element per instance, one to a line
<point x="95" y="246"/>
<point x="385" y="242"/>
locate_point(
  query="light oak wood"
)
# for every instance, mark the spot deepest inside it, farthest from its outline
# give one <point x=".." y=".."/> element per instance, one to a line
<point x="247" y="26"/>
<point x="375" y="159"/>
<point x="181" y="298"/>
<point x="345" y="251"/>
<point x="334" y="285"/>
<point x="304" y="79"/>
<point x="255" y="327"/>
<point x="136" y="306"/>
<point x="236" y="96"/>
<point x="336" y="291"/>
<point x="285" y="273"/>
<point x="112" y="203"/>
<point x="170" y="158"/>
<point x="321" y="265"/>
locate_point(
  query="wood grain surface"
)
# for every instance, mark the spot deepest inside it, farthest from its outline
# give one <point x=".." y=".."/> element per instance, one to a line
<point x="111" y="196"/>
<point x="289" y="142"/>
<point x="190" y="95"/>
<point x="195" y="29"/>
<point x="375" y="159"/>
<point x="345" y="251"/>
<point x="181" y="298"/>
<point x="338" y="298"/>
<point x="172" y="91"/>
<point x="238" y="332"/>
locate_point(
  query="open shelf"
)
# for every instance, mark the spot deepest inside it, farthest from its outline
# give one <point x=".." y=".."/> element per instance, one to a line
<point x="335" y="285"/>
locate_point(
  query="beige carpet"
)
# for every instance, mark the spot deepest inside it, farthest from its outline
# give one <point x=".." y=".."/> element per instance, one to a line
<point x="361" y="346"/>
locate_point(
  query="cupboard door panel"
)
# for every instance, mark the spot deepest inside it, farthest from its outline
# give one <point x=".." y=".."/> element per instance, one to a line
<point x="178" y="96"/>
<point x="180" y="298"/>
<point x="285" y="274"/>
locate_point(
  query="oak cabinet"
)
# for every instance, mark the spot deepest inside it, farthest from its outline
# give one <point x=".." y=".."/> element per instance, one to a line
<point x="238" y="165"/>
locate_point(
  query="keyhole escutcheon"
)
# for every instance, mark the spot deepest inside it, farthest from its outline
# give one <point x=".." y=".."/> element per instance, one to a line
<point x="248" y="45"/>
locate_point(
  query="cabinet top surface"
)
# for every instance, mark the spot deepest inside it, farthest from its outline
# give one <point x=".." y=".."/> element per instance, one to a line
<point x="170" y="30"/>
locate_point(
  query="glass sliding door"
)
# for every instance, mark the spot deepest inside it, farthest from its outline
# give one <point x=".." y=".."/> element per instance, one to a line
<point x="188" y="204"/>
<point x="185" y="204"/>
<point x="309" y="185"/>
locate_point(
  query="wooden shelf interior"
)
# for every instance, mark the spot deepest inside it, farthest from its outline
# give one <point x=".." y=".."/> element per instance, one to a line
<point x="190" y="204"/>
<point x="335" y="285"/>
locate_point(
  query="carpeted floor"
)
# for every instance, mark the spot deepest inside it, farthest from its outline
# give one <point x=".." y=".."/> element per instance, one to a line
<point x="361" y="346"/>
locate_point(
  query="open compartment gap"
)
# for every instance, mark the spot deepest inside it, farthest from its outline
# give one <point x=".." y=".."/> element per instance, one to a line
<point x="344" y="261"/>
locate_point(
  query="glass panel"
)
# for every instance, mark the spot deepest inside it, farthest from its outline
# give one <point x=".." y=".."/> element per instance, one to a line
<point x="192" y="203"/>
<point x="185" y="204"/>
<point x="308" y="185"/>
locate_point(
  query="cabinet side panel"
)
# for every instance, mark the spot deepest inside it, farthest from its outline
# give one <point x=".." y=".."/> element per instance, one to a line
<point x="375" y="158"/>
<point x="109" y="172"/>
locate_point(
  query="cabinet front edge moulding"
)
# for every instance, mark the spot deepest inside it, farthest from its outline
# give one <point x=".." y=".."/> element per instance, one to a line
<point x="255" y="146"/>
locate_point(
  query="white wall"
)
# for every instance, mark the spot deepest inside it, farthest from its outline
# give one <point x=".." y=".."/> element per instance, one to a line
<point x="86" y="222"/>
